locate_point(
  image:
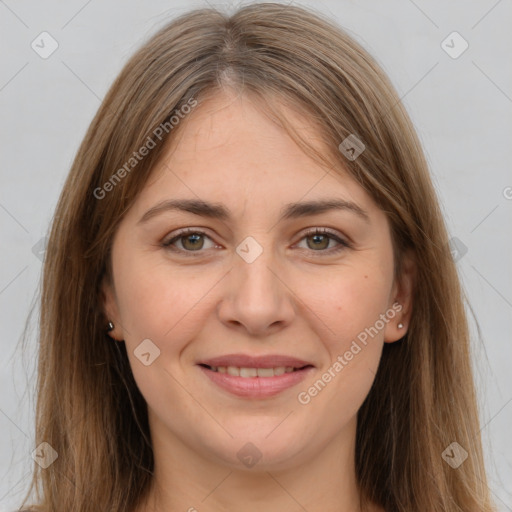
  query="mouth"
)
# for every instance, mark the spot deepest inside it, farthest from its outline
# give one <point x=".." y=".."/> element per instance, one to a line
<point x="247" y="372"/>
<point x="255" y="377"/>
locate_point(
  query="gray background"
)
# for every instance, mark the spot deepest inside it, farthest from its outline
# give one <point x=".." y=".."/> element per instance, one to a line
<point x="460" y="106"/>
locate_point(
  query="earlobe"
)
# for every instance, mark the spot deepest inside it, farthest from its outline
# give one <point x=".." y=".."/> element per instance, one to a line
<point x="401" y="299"/>
<point x="110" y="310"/>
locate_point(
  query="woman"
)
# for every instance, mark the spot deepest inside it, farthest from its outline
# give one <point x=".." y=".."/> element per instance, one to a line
<point x="248" y="302"/>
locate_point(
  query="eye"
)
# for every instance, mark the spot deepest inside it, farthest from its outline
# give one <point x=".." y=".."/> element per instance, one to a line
<point x="319" y="239"/>
<point x="191" y="240"/>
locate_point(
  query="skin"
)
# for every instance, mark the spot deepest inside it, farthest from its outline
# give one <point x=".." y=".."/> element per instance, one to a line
<point x="294" y="299"/>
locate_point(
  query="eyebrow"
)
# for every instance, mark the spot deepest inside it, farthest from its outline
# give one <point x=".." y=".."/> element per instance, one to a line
<point x="219" y="211"/>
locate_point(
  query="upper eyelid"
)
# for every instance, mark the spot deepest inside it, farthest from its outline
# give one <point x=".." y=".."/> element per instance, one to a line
<point x="186" y="231"/>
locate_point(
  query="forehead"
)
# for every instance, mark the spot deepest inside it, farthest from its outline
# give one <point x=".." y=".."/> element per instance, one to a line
<point x="230" y="150"/>
<point x="233" y="127"/>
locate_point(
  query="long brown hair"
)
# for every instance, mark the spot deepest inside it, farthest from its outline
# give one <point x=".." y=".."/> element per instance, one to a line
<point x="89" y="408"/>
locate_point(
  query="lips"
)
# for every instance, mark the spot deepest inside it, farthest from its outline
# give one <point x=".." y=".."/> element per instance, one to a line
<point x="255" y="377"/>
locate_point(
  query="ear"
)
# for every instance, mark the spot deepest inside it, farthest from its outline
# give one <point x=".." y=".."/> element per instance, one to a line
<point x="401" y="299"/>
<point x="110" y="308"/>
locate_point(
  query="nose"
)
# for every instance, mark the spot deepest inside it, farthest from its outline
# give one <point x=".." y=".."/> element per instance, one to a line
<point x="256" y="298"/>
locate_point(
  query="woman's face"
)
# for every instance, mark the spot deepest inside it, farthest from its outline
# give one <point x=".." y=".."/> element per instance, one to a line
<point x="252" y="286"/>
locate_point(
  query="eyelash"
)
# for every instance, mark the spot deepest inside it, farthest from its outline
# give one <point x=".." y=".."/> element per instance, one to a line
<point x="343" y="244"/>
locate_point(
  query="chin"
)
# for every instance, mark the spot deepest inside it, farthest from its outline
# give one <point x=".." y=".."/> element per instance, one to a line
<point x="263" y="450"/>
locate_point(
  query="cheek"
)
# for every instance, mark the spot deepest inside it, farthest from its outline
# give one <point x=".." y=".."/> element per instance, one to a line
<point x="156" y="299"/>
<point x="351" y="301"/>
<point x="356" y="301"/>
<point x="163" y="305"/>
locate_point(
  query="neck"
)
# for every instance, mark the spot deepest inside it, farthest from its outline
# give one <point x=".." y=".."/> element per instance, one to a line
<point x="186" y="481"/>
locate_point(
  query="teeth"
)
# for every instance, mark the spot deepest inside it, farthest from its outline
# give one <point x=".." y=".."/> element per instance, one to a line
<point x="248" y="372"/>
<point x="253" y="372"/>
<point x="233" y="370"/>
<point x="265" y="372"/>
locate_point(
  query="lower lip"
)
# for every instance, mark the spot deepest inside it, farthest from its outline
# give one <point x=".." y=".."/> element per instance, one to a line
<point x="256" y="387"/>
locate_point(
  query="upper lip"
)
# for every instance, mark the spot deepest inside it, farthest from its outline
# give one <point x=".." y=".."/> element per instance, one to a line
<point x="246" y="361"/>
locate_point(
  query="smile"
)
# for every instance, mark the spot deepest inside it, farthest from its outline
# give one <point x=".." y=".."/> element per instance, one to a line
<point x="236" y="371"/>
<point x="255" y="383"/>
